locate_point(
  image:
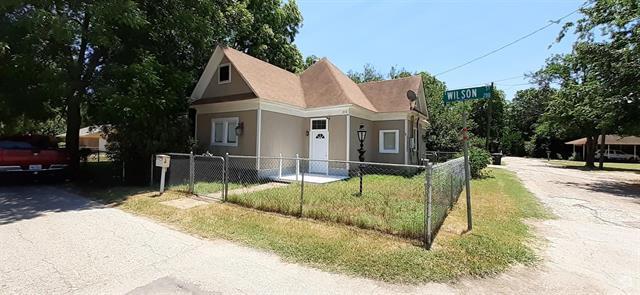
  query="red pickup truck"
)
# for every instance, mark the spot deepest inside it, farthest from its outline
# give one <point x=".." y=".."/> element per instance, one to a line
<point x="31" y="155"/>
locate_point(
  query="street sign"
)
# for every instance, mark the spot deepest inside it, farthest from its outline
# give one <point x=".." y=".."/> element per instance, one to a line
<point x="482" y="92"/>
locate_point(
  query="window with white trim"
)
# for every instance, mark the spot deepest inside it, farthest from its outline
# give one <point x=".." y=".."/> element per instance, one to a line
<point x="224" y="73"/>
<point x="389" y="141"/>
<point x="223" y="131"/>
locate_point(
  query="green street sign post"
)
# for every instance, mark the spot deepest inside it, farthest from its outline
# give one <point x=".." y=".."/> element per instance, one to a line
<point x="483" y="92"/>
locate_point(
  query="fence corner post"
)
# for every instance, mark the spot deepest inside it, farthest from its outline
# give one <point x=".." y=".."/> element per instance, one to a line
<point x="191" y="172"/>
<point x="428" y="205"/>
<point x="225" y="177"/>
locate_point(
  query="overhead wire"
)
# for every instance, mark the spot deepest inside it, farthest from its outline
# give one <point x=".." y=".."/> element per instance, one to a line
<point x="551" y="22"/>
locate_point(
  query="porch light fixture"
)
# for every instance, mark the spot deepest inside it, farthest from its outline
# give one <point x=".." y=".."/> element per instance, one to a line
<point x="362" y="134"/>
<point x="239" y="129"/>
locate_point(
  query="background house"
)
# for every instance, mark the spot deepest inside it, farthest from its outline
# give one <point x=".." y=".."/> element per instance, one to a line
<point x="627" y="144"/>
<point x="91" y="137"/>
<point x="245" y="106"/>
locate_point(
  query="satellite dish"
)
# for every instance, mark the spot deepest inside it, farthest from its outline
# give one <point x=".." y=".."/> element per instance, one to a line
<point x="411" y="95"/>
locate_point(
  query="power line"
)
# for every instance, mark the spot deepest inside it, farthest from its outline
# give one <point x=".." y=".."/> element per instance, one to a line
<point x="552" y="22"/>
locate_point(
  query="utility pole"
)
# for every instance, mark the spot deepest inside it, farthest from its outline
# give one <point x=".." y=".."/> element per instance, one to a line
<point x="488" y="139"/>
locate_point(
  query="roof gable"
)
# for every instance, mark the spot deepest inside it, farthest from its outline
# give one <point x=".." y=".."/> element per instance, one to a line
<point x="391" y="95"/>
<point x="325" y="85"/>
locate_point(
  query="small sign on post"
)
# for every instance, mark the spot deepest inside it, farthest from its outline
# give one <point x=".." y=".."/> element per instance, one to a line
<point x="163" y="161"/>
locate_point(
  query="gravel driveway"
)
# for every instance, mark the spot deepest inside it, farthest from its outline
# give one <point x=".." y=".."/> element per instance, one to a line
<point x="593" y="246"/>
<point x="55" y="242"/>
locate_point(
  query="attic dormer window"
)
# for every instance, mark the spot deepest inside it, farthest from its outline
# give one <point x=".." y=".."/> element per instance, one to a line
<point x="224" y="74"/>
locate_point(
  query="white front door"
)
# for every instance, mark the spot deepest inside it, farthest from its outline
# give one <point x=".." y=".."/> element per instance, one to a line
<point x="319" y="146"/>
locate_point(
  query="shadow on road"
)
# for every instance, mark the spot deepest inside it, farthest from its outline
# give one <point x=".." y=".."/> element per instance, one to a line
<point x="617" y="188"/>
<point x="27" y="202"/>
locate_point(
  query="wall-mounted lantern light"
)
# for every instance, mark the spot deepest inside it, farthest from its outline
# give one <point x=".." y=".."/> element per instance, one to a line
<point x="240" y="128"/>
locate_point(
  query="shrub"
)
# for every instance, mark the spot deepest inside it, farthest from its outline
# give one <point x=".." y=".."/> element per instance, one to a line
<point x="478" y="160"/>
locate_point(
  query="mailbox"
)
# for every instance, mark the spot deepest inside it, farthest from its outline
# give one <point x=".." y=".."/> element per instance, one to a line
<point x="163" y="161"/>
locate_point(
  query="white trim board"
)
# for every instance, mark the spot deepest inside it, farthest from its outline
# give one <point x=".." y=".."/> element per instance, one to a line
<point x="267" y="105"/>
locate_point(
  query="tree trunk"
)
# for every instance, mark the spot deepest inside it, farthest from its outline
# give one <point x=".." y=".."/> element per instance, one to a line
<point x="590" y="151"/>
<point x="602" y="146"/>
<point x="72" y="139"/>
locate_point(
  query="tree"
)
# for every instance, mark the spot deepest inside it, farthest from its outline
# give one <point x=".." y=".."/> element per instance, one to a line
<point x="489" y="114"/>
<point x="368" y="74"/>
<point x="581" y="105"/>
<point x="128" y="63"/>
<point x="601" y="73"/>
<point x="522" y="116"/>
<point x="395" y="73"/>
<point x="309" y="61"/>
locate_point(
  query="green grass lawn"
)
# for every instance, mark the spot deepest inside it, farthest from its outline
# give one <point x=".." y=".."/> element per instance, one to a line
<point x="499" y="239"/>
<point x="391" y="204"/>
<point x="609" y="166"/>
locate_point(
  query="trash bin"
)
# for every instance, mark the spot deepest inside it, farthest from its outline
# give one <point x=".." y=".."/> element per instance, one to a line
<point x="497" y="158"/>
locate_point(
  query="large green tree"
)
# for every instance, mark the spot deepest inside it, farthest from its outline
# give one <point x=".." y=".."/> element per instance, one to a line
<point x="129" y="64"/>
<point x="598" y="90"/>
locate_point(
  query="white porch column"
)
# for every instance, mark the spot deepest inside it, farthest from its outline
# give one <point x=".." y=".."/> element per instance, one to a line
<point x="584" y="157"/>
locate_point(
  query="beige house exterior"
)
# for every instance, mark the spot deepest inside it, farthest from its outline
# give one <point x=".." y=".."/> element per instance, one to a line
<point x="245" y="106"/>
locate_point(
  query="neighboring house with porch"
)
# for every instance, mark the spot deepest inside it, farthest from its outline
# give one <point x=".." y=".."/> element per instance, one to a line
<point x="627" y="144"/>
<point x="245" y="106"/>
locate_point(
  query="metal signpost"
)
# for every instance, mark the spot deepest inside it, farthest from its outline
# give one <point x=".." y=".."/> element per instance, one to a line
<point x="483" y="92"/>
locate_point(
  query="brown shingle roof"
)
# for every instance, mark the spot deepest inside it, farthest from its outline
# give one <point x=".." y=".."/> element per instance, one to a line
<point x="391" y="95"/>
<point x="322" y="84"/>
<point x="266" y="80"/>
<point x="325" y="85"/>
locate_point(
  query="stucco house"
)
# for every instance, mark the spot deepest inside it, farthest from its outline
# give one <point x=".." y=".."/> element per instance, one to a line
<point x="245" y="106"/>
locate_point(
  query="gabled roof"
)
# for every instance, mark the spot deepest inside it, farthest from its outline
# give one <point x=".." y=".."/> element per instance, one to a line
<point x="322" y="84"/>
<point x="325" y="85"/>
<point x="391" y="95"/>
<point x="266" y="80"/>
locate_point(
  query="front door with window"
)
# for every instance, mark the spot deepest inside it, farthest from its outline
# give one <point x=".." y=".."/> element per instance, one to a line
<point x="319" y="146"/>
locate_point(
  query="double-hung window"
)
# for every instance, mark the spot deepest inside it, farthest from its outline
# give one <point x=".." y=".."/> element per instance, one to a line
<point x="223" y="131"/>
<point x="389" y="141"/>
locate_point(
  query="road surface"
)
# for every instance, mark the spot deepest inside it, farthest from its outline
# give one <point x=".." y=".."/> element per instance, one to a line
<point x="55" y="242"/>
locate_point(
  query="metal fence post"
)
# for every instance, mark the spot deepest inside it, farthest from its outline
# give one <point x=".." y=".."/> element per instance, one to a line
<point x="452" y="194"/>
<point x="428" y="204"/>
<point x="280" y="167"/>
<point x="192" y="165"/>
<point x="301" y="193"/>
<point x="297" y="166"/>
<point x="225" y="177"/>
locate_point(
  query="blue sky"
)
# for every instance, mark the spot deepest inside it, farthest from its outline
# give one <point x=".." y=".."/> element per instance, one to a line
<point x="436" y="35"/>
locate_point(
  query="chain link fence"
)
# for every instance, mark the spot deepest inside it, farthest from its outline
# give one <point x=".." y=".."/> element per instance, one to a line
<point x="409" y="201"/>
